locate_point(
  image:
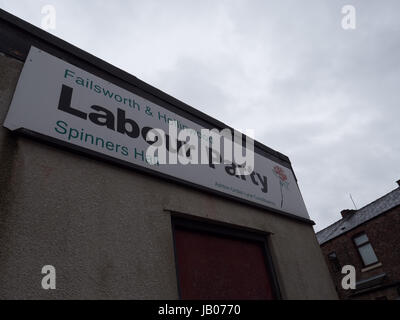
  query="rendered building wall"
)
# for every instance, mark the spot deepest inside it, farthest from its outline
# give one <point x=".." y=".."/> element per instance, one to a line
<point x="107" y="229"/>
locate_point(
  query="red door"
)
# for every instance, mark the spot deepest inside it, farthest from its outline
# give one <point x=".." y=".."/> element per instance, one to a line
<point x="217" y="267"/>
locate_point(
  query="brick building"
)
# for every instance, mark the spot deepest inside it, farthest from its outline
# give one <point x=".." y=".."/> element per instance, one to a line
<point x="369" y="240"/>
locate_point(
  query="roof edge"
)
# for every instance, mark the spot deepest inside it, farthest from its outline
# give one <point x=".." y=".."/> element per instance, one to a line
<point x="348" y="230"/>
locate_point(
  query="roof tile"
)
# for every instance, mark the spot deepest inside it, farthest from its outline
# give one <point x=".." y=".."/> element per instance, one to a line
<point x="370" y="211"/>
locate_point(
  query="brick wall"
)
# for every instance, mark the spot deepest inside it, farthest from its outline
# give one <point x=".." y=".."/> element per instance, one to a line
<point x="384" y="235"/>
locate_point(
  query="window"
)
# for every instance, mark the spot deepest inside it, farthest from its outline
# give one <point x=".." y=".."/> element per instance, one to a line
<point x="365" y="249"/>
<point x="334" y="261"/>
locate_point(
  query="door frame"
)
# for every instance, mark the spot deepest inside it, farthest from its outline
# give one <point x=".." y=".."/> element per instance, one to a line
<point x="196" y="224"/>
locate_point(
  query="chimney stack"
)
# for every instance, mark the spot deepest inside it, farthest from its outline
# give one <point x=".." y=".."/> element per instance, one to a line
<point x="398" y="182"/>
<point x="348" y="213"/>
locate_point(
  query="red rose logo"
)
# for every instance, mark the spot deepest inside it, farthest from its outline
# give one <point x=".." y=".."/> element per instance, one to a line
<point x="280" y="174"/>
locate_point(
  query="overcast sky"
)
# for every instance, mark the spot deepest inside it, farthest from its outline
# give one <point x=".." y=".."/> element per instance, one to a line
<point x="326" y="97"/>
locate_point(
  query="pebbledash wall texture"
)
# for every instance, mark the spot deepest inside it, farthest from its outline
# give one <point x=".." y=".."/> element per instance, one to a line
<point x="380" y="222"/>
<point x="109" y="230"/>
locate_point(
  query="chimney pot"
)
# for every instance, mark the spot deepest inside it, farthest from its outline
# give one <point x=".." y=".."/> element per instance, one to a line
<point x="347" y="213"/>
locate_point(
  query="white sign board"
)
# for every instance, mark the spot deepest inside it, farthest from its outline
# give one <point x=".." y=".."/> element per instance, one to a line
<point x="58" y="100"/>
